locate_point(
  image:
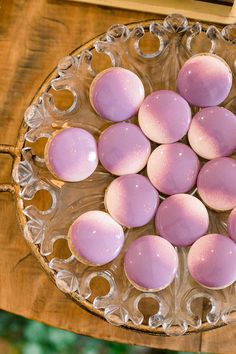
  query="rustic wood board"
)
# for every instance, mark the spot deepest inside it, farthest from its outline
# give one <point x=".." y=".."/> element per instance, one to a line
<point x="34" y="35"/>
<point x="198" y="10"/>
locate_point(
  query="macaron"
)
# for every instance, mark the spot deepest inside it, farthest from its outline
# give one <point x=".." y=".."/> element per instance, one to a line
<point x="231" y="225"/>
<point x="150" y="263"/>
<point x="212" y="261"/>
<point x="216" y="183"/>
<point x="71" y="154"/>
<point x="164" y="116"/>
<point x="131" y="200"/>
<point x="123" y="149"/>
<point x="173" y="168"/>
<point x="204" y="80"/>
<point x="212" y="132"/>
<point x="182" y="219"/>
<point x="116" y="94"/>
<point x="95" y="238"/>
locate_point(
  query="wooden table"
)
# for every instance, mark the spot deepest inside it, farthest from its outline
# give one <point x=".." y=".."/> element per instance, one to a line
<point x="34" y="35"/>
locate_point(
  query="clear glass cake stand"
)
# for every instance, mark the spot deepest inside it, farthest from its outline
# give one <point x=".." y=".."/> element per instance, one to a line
<point x="46" y="207"/>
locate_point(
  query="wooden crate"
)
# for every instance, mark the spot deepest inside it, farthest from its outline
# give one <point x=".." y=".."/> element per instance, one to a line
<point x="218" y="11"/>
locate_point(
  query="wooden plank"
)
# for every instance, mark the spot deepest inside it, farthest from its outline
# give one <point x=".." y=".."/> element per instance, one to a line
<point x="221" y="340"/>
<point x="198" y="10"/>
<point x="34" y="35"/>
<point x="6" y="168"/>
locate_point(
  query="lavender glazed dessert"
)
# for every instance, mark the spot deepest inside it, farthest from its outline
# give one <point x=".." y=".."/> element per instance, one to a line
<point x="95" y="238"/>
<point x="216" y="183"/>
<point x="212" y="261"/>
<point x="131" y="200"/>
<point x="71" y="154"/>
<point x="151" y="263"/>
<point x="123" y="149"/>
<point x="182" y="219"/>
<point x="231" y="225"/>
<point x="116" y="94"/>
<point x="204" y="80"/>
<point x="164" y="116"/>
<point x="212" y="132"/>
<point x="173" y="168"/>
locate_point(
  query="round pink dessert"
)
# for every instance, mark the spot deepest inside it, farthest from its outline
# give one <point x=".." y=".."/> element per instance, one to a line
<point x="116" y="94"/>
<point x="164" y="116"/>
<point x="217" y="183"/>
<point x="95" y="238"/>
<point x="173" y="168"/>
<point x="231" y="225"/>
<point x="182" y="219"/>
<point x="212" y="261"/>
<point x="212" y="132"/>
<point x="205" y="80"/>
<point x="131" y="200"/>
<point x="151" y="263"/>
<point x="71" y="154"/>
<point x="123" y="149"/>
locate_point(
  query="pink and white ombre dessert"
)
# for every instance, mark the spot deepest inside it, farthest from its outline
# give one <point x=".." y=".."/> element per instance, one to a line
<point x="116" y="94"/>
<point x="71" y="154"/>
<point x="151" y="263"/>
<point x="212" y="132"/>
<point x="173" y="168"/>
<point x="131" y="200"/>
<point x="123" y="149"/>
<point x="182" y="219"/>
<point x="231" y="225"/>
<point x="205" y="80"/>
<point x="216" y="183"/>
<point x="212" y="261"/>
<point x="164" y="116"/>
<point x="95" y="238"/>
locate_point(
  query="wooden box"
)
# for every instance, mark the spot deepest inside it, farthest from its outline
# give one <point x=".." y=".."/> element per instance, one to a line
<point x="218" y="11"/>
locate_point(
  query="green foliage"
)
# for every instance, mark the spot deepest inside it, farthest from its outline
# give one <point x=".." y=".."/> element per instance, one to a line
<point x="30" y="337"/>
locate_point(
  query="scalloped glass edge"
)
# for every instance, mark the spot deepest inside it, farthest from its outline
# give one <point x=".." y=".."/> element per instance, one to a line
<point x="120" y="306"/>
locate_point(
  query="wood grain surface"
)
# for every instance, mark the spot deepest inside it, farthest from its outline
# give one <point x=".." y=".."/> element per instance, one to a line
<point x="213" y="11"/>
<point x="34" y="35"/>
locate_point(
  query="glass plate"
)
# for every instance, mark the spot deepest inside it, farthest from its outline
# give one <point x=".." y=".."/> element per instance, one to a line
<point x="184" y="306"/>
